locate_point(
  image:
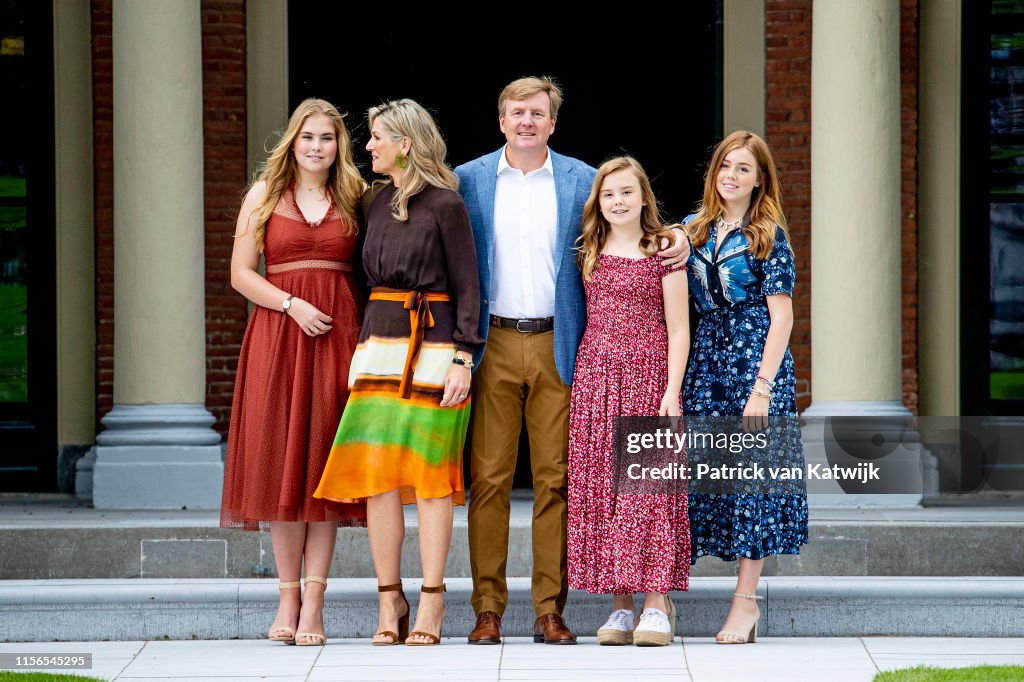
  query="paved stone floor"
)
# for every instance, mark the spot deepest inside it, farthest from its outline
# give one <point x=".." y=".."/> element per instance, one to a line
<point x="694" y="659"/>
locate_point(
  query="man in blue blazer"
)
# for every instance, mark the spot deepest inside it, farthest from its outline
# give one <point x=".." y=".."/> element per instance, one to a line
<point x="525" y="203"/>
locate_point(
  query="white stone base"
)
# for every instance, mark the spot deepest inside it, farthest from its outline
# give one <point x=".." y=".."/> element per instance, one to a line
<point x="910" y="457"/>
<point x="157" y="477"/>
<point x="158" y="457"/>
<point x="83" y="475"/>
<point x="849" y="501"/>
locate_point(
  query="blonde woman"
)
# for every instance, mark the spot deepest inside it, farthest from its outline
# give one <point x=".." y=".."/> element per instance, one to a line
<point x="300" y="215"/>
<point x="401" y="436"/>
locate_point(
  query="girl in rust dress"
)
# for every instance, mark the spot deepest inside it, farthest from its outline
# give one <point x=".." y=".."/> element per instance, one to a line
<point x="291" y="383"/>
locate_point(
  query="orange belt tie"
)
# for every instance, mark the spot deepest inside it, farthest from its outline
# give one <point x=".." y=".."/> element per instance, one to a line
<point x="417" y="303"/>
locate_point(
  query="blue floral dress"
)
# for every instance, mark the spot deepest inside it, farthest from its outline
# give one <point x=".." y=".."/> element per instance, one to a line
<point x="729" y="290"/>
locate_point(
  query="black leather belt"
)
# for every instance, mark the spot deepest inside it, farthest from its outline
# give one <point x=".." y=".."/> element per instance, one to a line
<point x="531" y="325"/>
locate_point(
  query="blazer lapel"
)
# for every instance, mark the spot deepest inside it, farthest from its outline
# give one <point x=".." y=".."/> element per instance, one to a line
<point x="487" y="183"/>
<point x="565" y="191"/>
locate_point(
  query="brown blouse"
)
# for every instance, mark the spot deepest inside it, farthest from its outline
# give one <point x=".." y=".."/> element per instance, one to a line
<point x="432" y="251"/>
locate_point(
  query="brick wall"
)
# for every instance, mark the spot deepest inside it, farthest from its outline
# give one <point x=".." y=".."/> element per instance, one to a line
<point x="908" y="203"/>
<point x="224" y="165"/>
<point x="788" y="131"/>
<point x="224" y="169"/>
<point x="103" y="207"/>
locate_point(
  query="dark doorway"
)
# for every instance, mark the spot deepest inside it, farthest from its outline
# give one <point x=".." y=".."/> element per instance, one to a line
<point x="28" y="453"/>
<point x="650" y="87"/>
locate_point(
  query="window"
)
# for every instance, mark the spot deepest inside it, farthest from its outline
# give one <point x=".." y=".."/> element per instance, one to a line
<point x="992" y="225"/>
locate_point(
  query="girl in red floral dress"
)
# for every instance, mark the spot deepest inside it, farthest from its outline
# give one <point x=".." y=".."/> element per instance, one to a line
<point x="631" y="362"/>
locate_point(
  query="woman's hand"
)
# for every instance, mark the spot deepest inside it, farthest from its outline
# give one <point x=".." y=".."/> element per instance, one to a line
<point x="310" y="320"/>
<point x="669" y="405"/>
<point x="456" y="385"/>
<point x="755" y="414"/>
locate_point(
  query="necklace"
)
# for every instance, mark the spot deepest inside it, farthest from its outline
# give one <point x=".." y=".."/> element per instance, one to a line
<point x="310" y="189"/>
<point x="730" y="225"/>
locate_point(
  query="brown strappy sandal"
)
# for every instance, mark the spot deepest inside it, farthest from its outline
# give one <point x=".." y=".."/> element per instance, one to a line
<point x="281" y="633"/>
<point x="403" y="621"/>
<point x="434" y="639"/>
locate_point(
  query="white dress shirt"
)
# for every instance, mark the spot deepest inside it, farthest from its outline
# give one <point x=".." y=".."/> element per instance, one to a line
<point x="525" y="227"/>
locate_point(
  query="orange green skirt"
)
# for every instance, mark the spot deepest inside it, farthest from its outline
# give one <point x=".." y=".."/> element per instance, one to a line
<point x="386" y="442"/>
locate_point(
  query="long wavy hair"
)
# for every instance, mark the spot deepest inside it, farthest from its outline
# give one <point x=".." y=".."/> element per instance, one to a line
<point x="765" y="201"/>
<point x="280" y="171"/>
<point x="595" y="227"/>
<point x="426" y="164"/>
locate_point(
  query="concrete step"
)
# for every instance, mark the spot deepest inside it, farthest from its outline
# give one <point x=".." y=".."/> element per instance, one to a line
<point x="141" y="609"/>
<point x="45" y="537"/>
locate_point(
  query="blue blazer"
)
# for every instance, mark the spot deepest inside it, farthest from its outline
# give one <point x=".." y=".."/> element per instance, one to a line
<point x="573" y="179"/>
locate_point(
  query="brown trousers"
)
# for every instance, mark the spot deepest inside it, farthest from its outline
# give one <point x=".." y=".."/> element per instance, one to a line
<point x="518" y="376"/>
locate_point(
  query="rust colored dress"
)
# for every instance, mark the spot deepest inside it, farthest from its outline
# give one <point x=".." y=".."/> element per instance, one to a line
<point x="291" y="388"/>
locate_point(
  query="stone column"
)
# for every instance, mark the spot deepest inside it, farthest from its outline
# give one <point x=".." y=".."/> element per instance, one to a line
<point x="266" y="78"/>
<point x="743" y="65"/>
<point x="938" y="214"/>
<point x="856" y="363"/>
<point x="76" y="233"/>
<point x="158" y="449"/>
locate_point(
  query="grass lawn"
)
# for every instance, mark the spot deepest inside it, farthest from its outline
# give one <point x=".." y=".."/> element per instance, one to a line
<point x="12" y="217"/>
<point x="978" y="673"/>
<point x="11" y="186"/>
<point x="1006" y="385"/>
<point x="13" y="345"/>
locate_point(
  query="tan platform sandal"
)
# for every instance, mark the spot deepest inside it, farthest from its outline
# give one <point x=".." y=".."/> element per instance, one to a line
<point x="280" y="633"/>
<point x="737" y="637"/>
<point x="312" y="638"/>
<point x="648" y="637"/>
<point x="403" y="621"/>
<point x="618" y="629"/>
<point x="434" y="639"/>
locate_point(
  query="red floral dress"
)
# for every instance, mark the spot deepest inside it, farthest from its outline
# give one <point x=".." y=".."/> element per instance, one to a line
<point x="617" y="543"/>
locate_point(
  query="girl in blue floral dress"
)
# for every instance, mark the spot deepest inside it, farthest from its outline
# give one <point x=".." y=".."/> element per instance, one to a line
<point x="741" y="276"/>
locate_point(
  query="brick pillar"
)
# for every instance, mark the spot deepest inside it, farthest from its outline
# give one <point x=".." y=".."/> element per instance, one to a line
<point x="224" y="174"/>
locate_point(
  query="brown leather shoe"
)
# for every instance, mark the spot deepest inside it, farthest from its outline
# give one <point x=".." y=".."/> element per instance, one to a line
<point x="551" y="629"/>
<point x="487" y="630"/>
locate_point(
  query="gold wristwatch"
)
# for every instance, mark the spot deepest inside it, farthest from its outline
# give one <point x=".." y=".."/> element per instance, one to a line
<point x="467" y="363"/>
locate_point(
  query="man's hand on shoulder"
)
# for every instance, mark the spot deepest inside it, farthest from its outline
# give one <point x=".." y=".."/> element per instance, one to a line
<point x="675" y="252"/>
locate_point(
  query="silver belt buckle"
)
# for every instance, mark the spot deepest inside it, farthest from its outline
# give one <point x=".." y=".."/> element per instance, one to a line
<point x="518" y="322"/>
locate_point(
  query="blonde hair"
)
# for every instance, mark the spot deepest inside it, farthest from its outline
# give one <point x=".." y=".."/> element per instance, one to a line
<point x="279" y="171"/>
<point x="595" y="227"/>
<point x="525" y="88"/>
<point x="765" y="201"/>
<point x="426" y="164"/>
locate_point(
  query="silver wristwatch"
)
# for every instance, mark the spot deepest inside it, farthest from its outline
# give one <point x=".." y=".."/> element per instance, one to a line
<point x="287" y="304"/>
